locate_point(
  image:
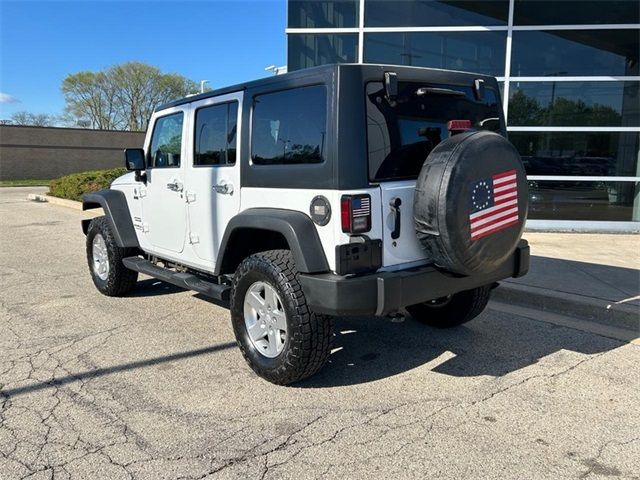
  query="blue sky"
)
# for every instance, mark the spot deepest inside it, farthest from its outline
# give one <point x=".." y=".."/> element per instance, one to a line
<point x="41" y="42"/>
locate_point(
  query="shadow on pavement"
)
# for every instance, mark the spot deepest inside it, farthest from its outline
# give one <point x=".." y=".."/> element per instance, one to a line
<point x="581" y="278"/>
<point x="369" y="348"/>
<point x="151" y="287"/>
<point x="99" y="372"/>
<point x="494" y="344"/>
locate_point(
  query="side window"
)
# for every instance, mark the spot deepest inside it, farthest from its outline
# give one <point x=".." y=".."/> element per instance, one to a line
<point x="289" y="127"/>
<point x="166" y="142"/>
<point x="216" y="135"/>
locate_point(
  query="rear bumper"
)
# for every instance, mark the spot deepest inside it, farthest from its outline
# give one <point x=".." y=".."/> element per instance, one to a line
<point x="386" y="292"/>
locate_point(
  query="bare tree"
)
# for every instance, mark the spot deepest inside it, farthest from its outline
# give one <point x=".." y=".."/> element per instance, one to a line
<point x="91" y="96"/>
<point x="123" y="96"/>
<point x="33" y="119"/>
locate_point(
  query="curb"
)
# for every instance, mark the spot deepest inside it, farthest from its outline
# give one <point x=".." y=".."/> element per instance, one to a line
<point x="596" y="310"/>
<point x="63" y="202"/>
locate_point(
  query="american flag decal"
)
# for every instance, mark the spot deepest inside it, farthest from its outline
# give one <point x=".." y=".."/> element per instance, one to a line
<point x="361" y="206"/>
<point x="494" y="204"/>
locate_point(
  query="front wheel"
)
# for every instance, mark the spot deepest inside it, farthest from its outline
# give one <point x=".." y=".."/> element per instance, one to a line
<point x="453" y="310"/>
<point x="104" y="256"/>
<point x="281" y="339"/>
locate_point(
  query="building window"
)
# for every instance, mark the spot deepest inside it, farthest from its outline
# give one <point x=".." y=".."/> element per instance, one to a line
<point x="289" y="127"/>
<point x="310" y="50"/>
<point x="573" y="12"/>
<point x="215" y="136"/>
<point x="601" y="104"/>
<point x="403" y="13"/>
<point x="580" y="200"/>
<point x="575" y="52"/>
<point x="480" y="52"/>
<point x="322" y="14"/>
<point x="569" y="81"/>
<point x="578" y="153"/>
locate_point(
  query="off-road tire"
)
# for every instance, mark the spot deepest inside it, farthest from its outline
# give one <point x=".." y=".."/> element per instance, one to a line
<point x="120" y="280"/>
<point x="461" y="308"/>
<point x="309" y="335"/>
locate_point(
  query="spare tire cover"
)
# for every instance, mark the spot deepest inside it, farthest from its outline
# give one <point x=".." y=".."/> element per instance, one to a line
<point x="470" y="203"/>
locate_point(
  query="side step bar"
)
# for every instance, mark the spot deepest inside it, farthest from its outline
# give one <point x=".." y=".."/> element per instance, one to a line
<point x="180" y="279"/>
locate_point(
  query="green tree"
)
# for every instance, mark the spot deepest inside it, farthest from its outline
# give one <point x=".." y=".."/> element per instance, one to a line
<point x="524" y="110"/>
<point x="572" y="112"/>
<point x="122" y="97"/>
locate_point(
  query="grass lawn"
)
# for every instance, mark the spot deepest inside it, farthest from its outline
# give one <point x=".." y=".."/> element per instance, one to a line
<point x="24" y="183"/>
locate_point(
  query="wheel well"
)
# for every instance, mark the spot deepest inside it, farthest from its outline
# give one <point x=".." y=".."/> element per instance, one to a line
<point x="244" y="242"/>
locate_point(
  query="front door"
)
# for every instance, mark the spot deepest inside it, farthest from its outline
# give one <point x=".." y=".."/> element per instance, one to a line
<point x="164" y="213"/>
<point x="213" y="177"/>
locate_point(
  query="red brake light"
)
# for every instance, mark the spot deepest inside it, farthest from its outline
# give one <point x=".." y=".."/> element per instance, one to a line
<point x="458" y="125"/>
<point x="355" y="213"/>
<point x="345" y="214"/>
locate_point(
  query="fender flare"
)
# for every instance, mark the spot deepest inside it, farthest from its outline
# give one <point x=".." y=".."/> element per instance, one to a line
<point x="296" y="227"/>
<point x="114" y="204"/>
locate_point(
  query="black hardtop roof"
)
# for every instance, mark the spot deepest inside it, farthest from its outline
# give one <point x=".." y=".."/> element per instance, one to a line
<point x="367" y="69"/>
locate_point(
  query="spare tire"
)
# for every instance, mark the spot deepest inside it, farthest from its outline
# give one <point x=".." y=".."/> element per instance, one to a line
<point x="470" y="203"/>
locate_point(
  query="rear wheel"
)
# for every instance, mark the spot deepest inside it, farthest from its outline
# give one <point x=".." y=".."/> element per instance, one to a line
<point x="453" y="310"/>
<point x="281" y="339"/>
<point x="104" y="256"/>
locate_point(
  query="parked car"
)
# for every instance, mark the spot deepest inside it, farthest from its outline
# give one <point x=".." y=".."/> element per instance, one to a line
<point x="337" y="190"/>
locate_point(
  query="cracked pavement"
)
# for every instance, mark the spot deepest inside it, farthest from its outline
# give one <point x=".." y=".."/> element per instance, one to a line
<point x="151" y="386"/>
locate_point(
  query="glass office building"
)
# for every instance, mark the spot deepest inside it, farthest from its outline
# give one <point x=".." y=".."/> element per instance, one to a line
<point x="568" y="71"/>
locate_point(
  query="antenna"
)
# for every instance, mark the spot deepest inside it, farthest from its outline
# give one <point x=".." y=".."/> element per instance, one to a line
<point x="202" y="83"/>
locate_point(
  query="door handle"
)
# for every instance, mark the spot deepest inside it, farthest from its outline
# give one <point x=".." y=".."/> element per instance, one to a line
<point x="175" y="186"/>
<point x="224" y="188"/>
<point x="395" y="208"/>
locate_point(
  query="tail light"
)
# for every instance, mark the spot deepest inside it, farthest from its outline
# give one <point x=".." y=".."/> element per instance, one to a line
<point x="457" y="126"/>
<point x="355" y="212"/>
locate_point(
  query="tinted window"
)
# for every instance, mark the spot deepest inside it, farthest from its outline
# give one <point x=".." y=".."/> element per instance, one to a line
<point x="572" y="12"/>
<point x="289" y="127"/>
<point x="565" y="200"/>
<point x="317" y="14"/>
<point x="166" y="142"/>
<point x="481" y="52"/>
<point x="574" y="103"/>
<point x="578" y="153"/>
<point x="310" y="50"/>
<point x="575" y="52"/>
<point x="416" y="13"/>
<point x="400" y="137"/>
<point x="215" y="142"/>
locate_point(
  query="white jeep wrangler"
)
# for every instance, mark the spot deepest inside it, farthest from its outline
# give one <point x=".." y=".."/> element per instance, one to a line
<point x="337" y="190"/>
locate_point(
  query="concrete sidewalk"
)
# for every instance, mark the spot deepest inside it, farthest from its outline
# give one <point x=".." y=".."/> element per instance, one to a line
<point x="591" y="276"/>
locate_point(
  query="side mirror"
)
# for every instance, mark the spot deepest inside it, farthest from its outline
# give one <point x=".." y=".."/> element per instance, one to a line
<point x="134" y="161"/>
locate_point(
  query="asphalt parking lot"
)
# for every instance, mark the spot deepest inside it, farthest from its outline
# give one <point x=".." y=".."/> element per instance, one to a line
<point x="151" y="386"/>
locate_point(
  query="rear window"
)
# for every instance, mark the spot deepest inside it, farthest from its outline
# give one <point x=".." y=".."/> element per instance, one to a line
<point x="289" y="127"/>
<point x="400" y="137"/>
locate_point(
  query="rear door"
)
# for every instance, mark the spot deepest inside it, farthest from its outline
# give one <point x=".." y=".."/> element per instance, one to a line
<point x="401" y="136"/>
<point x="213" y="177"/>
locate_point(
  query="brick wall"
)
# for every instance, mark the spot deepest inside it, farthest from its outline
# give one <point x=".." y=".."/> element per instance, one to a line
<point x="44" y="152"/>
